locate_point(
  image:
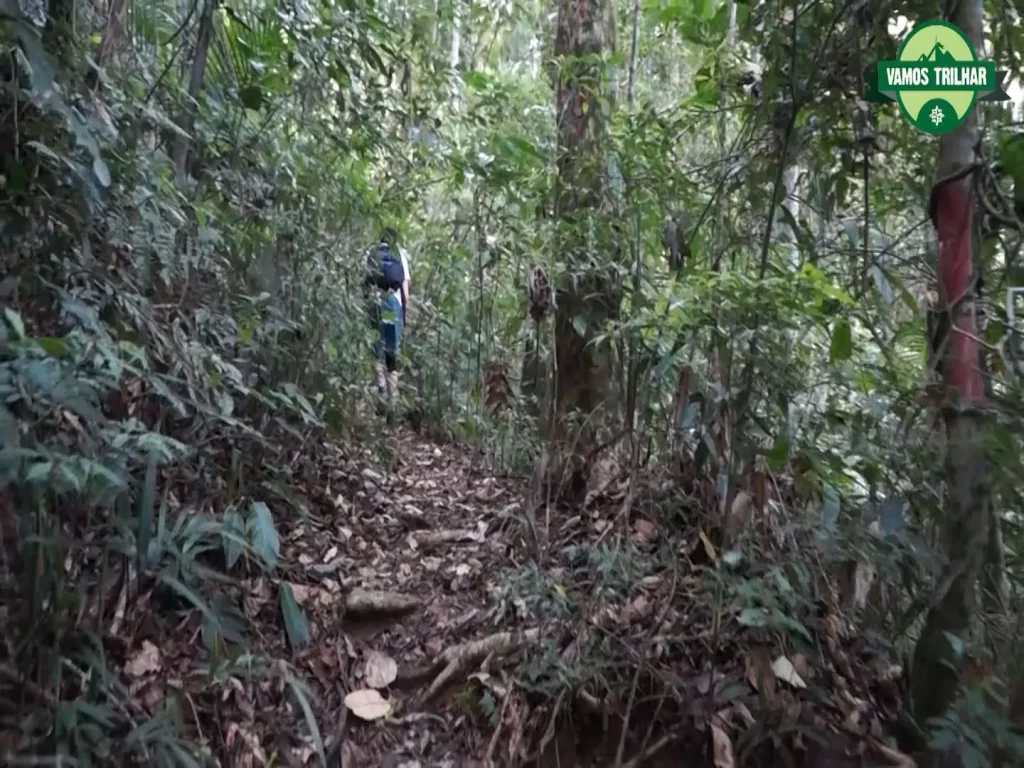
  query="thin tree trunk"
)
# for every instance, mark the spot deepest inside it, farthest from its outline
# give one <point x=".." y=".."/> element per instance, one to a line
<point x="718" y="355"/>
<point x="112" y="32"/>
<point x="195" y="87"/>
<point x="588" y="299"/>
<point x="454" y="51"/>
<point x="935" y="672"/>
<point x="631" y="87"/>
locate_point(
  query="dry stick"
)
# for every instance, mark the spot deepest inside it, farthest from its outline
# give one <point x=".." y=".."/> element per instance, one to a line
<point x="625" y="720"/>
<point x="549" y="732"/>
<point x="659" y="745"/>
<point x="333" y="751"/>
<point x="650" y="725"/>
<point x="489" y="756"/>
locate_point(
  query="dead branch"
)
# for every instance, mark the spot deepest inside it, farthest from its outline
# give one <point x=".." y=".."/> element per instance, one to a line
<point x="456" y="661"/>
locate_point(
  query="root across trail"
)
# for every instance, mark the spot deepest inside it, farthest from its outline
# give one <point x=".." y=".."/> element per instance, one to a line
<point x="436" y="639"/>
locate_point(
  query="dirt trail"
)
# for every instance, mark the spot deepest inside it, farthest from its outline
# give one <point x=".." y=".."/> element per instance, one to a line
<point x="445" y="533"/>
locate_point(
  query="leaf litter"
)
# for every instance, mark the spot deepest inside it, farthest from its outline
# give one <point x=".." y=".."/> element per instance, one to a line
<point x="410" y="601"/>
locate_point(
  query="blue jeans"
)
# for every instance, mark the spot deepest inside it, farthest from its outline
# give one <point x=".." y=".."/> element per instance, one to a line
<point x="390" y="341"/>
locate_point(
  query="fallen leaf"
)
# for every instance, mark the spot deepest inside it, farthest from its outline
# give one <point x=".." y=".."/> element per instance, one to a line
<point x="145" y="661"/>
<point x="462" y="569"/>
<point x="644" y="530"/>
<point x="863" y="576"/>
<point x="721" y="748"/>
<point x="785" y="671"/>
<point x="367" y="704"/>
<point x="331" y="554"/>
<point x="759" y="672"/>
<point x="709" y="548"/>
<point x="637" y="608"/>
<point x="381" y="670"/>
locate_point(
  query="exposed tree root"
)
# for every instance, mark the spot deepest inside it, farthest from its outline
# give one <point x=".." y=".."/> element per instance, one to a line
<point x="456" y="661"/>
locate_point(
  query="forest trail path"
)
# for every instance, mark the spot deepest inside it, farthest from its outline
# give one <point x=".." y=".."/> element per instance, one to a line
<point x="426" y="559"/>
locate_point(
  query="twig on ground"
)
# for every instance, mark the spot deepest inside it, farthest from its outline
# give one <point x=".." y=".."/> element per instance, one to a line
<point x="337" y="740"/>
<point x="654" y="749"/>
<point x="625" y="720"/>
<point x="493" y="744"/>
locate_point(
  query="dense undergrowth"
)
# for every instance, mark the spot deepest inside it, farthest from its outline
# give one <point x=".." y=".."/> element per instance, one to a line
<point x="181" y="340"/>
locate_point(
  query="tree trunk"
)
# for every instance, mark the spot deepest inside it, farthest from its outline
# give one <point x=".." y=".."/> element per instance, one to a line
<point x="588" y="296"/>
<point x="195" y="86"/>
<point x="112" y="32"/>
<point x="935" y="672"/>
<point x="631" y="86"/>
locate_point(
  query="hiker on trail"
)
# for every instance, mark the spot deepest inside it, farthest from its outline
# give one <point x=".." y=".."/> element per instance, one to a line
<point x="388" y="275"/>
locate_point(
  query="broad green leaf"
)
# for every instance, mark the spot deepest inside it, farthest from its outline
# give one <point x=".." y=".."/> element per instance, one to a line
<point x="883" y="285"/>
<point x="232" y="536"/>
<point x="14" y="320"/>
<point x="579" y="324"/>
<point x="302" y="695"/>
<point x="54" y="347"/>
<point x="102" y="172"/>
<point x="263" y="534"/>
<point x="295" y="623"/>
<point x="252" y="97"/>
<point x="146" y="504"/>
<point x="777" y="457"/>
<point x="842" y="342"/>
<point x="752" y="617"/>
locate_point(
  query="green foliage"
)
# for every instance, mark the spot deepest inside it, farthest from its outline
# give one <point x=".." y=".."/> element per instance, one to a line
<point x="174" y="345"/>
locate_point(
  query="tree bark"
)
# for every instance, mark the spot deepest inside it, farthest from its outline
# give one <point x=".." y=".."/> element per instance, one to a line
<point x="935" y="673"/>
<point x="195" y="86"/>
<point x="631" y="87"/>
<point x="588" y="296"/>
<point x="112" y="32"/>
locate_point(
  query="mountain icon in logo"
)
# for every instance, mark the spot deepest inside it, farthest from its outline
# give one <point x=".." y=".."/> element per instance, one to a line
<point x="938" y="54"/>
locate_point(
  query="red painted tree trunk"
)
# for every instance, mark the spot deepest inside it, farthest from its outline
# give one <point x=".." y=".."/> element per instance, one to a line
<point x="935" y="671"/>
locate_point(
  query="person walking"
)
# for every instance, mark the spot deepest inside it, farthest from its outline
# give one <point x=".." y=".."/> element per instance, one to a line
<point x="389" y="275"/>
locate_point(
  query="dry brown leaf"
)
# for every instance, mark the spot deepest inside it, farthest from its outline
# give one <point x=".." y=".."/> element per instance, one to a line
<point x="721" y="748"/>
<point x="742" y="512"/>
<point x="863" y="576"/>
<point x="637" y="608"/>
<point x="147" y="660"/>
<point x="644" y="530"/>
<point x="367" y="704"/>
<point x="381" y="670"/>
<point x="709" y="548"/>
<point x="759" y="672"/>
<point x="785" y="671"/>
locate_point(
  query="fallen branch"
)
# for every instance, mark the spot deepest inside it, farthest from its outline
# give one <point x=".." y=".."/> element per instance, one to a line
<point x="361" y="602"/>
<point x="456" y="661"/>
<point x="428" y="540"/>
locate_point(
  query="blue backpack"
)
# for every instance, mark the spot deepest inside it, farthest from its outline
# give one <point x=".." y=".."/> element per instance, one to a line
<point x="384" y="268"/>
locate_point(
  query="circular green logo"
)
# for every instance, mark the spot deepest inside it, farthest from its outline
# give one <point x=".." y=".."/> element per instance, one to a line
<point x="936" y="77"/>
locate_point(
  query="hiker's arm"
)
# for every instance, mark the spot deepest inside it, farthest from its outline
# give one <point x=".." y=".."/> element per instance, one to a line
<point x="405" y="300"/>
